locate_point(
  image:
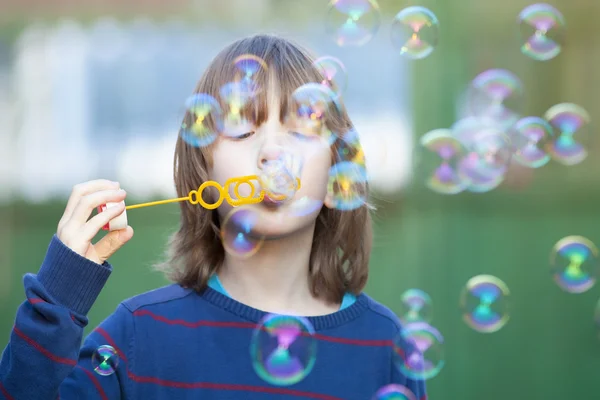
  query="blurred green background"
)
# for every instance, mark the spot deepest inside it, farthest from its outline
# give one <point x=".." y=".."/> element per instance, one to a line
<point x="550" y="349"/>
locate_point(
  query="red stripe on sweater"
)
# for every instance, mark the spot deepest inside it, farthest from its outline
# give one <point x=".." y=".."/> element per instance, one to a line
<point x="5" y="393"/>
<point x="36" y="300"/>
<point x="42" y="350"/>
<point x="249" y="325"/>
<point x="95" y="382"/>
<point x="111" y="342"/>
<point x="223" y="386"/>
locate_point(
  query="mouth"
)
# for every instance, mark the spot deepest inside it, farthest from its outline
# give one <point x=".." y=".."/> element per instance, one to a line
<point x="271" y="202"/>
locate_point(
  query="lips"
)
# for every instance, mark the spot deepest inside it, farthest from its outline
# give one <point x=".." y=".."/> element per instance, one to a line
<point x="270" y="202"/>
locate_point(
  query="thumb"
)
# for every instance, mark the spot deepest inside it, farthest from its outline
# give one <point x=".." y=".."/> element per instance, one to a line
<point x="113" y="241"/>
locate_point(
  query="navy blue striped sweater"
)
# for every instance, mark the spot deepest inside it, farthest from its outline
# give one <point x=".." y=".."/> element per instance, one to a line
<point x="175" y="343"/>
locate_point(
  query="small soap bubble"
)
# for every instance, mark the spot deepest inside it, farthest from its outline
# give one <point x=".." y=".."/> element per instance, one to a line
<point x="574" y="263"/>
<point x="570" y="123"/>
<point x="352" y="22"/>
<point x="235" y="96"/>
<point x="530" y="137"/>
<point x="350" y="149"/>
<point x="542" y="31"/>
<point x="283" y="349"/>
<point x="484" y="303"/>
<point x="496" y="96"/>
<point x="415" y="32"/>
<point x="489" y="152"/>
<point x="334" y="73"/>
<point x="238" y="233"/>
<point x="308" y="114"/>
<point x="347" y="184"/>
<point x="440" y="156"/>
<point x="247" y="68"/>
<point x="416" y="306"/>
<point x="105" y="360"/>
<point x="203" y="120"/>
<point x="278" y="178"/>
<point x="394" y="392"/>
<point x="423" y="357"/>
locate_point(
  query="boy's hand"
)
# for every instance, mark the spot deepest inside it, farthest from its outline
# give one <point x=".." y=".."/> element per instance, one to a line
<point x="76" y="232"/>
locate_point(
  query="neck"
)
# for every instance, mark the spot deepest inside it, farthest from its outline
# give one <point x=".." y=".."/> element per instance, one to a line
<point x="275" y="279"/>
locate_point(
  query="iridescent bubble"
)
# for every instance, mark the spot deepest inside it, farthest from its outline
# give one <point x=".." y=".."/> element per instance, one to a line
<point x="347" y="184"/>
<point x="352" y="22"/>
<point x="105" y="360"/>
<point x="394" y="392"/>
<point x="238" y="233"/>
<point x="570" y="123"/>
<point x="203" y="120"/>
<point x="424" y="357"/>
<point x="350" y="149"/>
<point x="440" y="157"/>
<point x="416" y="306"/>
<point x="308" y="112"/>
<point x="542" y="30"/>
<point x="574" y="263"/>
<point x="247" y="68"/>
<point x="279" y="177"/>
<point x="496" y="95"/>
<point x="236" y="96"/>
<point x="283" y="349"/>
<point x="484" y="303"/>
<point x="334" y="73"/>
<point x="415" y="32"/>
<point x="488" y="156"/>
<point x="530" y="137"/>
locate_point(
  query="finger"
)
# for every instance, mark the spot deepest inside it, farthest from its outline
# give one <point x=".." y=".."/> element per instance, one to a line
<point x="113" y="241"/>
<point x="95" y="224"/>
<point x="83" y="189"/>
<point x="89" y="203"/>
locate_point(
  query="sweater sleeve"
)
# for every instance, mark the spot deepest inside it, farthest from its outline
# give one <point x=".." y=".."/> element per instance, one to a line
<point x="44" y="358"/>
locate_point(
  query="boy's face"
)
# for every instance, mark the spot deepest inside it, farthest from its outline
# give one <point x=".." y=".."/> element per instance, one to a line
<point x="248" y="151"/>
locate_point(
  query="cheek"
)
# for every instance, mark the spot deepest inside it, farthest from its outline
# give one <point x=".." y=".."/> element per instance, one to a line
<point x="315" y="175"/>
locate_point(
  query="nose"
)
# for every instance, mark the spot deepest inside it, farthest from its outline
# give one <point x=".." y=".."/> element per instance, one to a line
<point x="269" y="152"/>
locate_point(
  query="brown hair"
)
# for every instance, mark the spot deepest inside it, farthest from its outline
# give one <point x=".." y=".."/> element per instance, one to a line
<point x="342" y="240"/>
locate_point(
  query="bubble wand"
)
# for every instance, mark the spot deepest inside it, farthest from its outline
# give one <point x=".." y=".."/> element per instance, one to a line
<point x="195" y="197"/>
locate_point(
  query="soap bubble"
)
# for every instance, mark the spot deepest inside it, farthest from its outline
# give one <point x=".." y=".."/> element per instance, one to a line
<point x="530" y="137"/>
<point x="105" y="360"/>
<point x="309" y="110"/>
<point x="238" y="233"/>
<point x="426" y="359"/>
<point x="334" y="73"/>
<point x="394" y="392"/>
<point x="203" y="120"/>
<point x="415" y="32"/>
<point x="574" y="262"/>
<point x="441" y="155"/>
<point x="347" y="184"/>
<point x="352" y="22"/>
<point x="484" y="303"/>
<point x="283" y="349"/>
<point x="416" y="306"/>
<point x="247" y="68"/>
<point x="542" y="30"/>
<point x="570" y="123"/>
<point x="279" y="177"/>
<point x="489" y="152"/>
<point x="236" y="96"/>
<point x="496" y="96"/>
